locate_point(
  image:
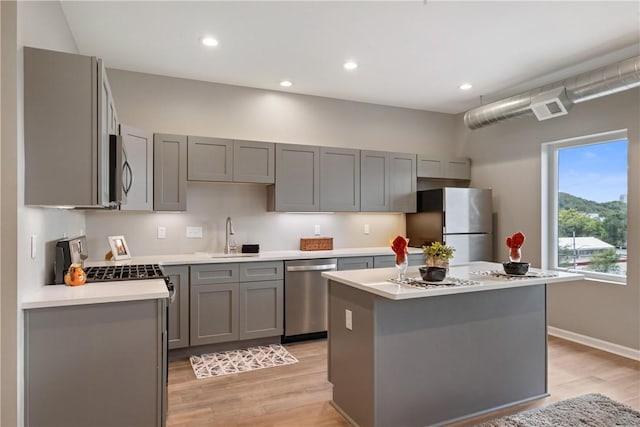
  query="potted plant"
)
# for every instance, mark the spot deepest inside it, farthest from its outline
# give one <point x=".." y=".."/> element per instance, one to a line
<point x="437" y="258"/>
<point x="438" y="255"/>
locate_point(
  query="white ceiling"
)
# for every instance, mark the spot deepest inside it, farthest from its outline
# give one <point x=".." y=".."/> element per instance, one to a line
<point x="411" y="54"/>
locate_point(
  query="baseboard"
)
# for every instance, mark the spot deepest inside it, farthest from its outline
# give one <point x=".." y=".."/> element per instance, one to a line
<point x="595" y="343"/>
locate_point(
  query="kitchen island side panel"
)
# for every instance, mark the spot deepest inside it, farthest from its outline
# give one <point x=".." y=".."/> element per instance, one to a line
<point x="447" y="357"/>
<point x="351" y="357"/>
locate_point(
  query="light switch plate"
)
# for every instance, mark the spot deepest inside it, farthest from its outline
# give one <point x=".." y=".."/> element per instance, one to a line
<point x="34" y="239"/>
<point x="162" y="232"/>
<point x="366" y="229"/>
<point x="194" y="232"/>
<point x="316" y="229"/>
<point x="348" y="318"/>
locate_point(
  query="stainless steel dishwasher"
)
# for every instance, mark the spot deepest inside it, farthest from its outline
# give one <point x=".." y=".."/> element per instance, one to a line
<point x="305" y="298"/>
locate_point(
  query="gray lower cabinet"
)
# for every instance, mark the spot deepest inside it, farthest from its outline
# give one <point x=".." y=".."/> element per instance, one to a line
<point x="384" y="261"/>
<point x="297" y="187"/>
<point x="402" y="182"/>
<point x="96" y="364"/>
<point x="169" y="172"/>
<point x="179" y="308"/>
<point x="209" y="159"/>
<point x="213" y="303"/>
<point x="254" y="161"/>
<point x="355" y="263"/>
<point x="339" y="180"/>
<point x="236" y="301"/>
<point x="261" y="309"/>
<point x="374" y="181"/>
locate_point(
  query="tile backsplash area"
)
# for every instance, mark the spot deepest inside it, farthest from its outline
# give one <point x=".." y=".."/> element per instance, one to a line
<point x="208" y="206"/>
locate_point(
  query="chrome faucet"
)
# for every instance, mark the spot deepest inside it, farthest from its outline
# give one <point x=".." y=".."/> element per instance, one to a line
<point x="230" y="244"/>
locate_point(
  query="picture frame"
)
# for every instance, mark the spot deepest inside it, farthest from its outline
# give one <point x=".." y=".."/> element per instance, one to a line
<point x="119" y="248"/>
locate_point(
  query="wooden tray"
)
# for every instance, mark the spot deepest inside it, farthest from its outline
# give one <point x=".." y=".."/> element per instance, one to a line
<point x="316" y="243"/>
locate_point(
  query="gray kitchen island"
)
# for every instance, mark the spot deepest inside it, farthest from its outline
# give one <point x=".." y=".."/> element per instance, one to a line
<point x="405" y="355"/>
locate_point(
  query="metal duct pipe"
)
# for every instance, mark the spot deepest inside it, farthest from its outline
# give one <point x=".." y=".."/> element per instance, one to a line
<point x="597" y="83"/>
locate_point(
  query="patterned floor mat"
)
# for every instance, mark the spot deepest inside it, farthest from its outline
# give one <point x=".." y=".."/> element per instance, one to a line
<point x="235" y="361"/>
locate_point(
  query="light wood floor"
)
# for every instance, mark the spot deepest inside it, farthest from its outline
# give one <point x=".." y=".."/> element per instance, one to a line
<point x="298" y="395"/>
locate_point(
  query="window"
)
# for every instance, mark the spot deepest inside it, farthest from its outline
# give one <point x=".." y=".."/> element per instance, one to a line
<point x="584" y="182"/>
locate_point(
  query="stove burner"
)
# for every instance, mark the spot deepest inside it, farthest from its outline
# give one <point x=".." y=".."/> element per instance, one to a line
<point x="124" y="272"/>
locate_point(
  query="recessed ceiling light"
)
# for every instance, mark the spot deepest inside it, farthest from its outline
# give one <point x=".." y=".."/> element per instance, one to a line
<point x="465" y="86"/>
<point x="285" y="83"/>
<point x="350" y="65"/>
<point x="209" y="41"/>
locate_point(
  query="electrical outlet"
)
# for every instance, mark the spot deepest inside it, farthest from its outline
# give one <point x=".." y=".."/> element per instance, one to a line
<point x="162" y="232"/>
<point x="317" y="229"/>
<point x="348" y="320"/>
<point x="366" y="229"/>
<point x="194" y="232"/>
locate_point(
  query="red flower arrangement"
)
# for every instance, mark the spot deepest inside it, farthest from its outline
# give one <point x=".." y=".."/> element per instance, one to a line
<point x="399" y="247"/>
<point x="514" y="243"/>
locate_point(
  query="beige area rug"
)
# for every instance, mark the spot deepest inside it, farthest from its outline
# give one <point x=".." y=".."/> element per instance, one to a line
<point x="236" y="361"/>
<point x="592" y="410"/>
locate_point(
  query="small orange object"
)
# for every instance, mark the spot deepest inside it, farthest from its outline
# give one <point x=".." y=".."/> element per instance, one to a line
<point x="75" y="275"/>
<point x="399" y="247"/>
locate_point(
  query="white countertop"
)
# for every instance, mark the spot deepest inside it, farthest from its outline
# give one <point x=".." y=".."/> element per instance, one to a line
<point x="210" y="257"/>
<point x="96" y="293"/>
<point x="376" y="281"/>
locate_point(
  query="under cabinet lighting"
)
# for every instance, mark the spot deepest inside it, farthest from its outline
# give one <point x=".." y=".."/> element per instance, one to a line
<point x="465" y="86"/>
<point x="285" y="83"/>
<point x="209" y="41"/>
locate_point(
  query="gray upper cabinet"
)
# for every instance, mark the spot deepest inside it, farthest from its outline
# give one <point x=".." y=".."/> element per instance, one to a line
<point x="169" y="172"/>
<point x="402" y="182"/>
<point x="179" y="308"/>
<point x="374" y="179"/>
<point x="137" y="170"/>
<point x="254" y="161"/>
<point x="339" y="179"/>
<point x="443" y="167"/>
<point x="297" y="187"/>
<point x="66" y="149"/>
<point x="210" y="159"/>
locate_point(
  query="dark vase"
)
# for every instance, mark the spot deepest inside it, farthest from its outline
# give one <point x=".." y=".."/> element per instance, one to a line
<point x="433" y="274"/>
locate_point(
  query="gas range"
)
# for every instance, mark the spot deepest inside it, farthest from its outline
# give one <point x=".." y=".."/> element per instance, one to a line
<point x="114" y="273"/>
<point x="124" y="272"/>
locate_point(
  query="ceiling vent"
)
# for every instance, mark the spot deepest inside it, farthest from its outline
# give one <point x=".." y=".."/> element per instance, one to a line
<point x="550" y="104"/>
<point x="557" y="98"/>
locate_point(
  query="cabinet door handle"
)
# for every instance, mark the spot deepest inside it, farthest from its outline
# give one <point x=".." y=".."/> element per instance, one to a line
<point x="128" y="177"/>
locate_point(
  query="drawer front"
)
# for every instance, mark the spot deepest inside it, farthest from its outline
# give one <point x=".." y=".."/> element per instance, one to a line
<point x="214" y="273"/>
<point x="355" y="263"/>
<point x="258" y="271"/>
<point x="385" y="261"/>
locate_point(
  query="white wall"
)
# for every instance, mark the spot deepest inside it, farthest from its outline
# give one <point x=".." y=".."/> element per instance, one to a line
<point x="171" y="105"/>
<point x="507" y="157"/>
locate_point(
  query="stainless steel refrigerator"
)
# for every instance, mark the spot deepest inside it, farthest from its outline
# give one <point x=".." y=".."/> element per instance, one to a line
<point x="458" y="217"/>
